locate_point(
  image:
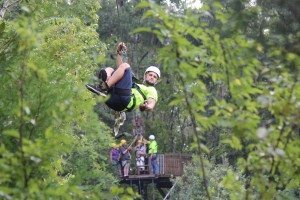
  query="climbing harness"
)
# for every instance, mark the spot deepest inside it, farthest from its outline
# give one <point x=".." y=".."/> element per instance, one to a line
<point x="137" y="87"/>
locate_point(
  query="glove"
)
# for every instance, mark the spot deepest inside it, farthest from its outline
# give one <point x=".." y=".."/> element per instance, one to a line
<point x="121" y="49"/>
<point x="143" y="107"/>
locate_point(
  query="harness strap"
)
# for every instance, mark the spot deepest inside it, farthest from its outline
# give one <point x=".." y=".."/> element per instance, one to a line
<point x="139" y="90"/>
<point x="133" y="104"/>
<point x="134" y="85"/>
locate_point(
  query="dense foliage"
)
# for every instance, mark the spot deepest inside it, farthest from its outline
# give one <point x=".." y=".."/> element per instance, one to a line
<point x="52" y="144"/>
<point x="229" y="95"/>
<point x="240" y="85"/>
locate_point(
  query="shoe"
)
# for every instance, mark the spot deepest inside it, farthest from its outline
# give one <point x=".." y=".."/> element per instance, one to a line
<point x="96" y="89"/>
<point x="102" y="75"/>
<point x="118" y="136"/>
<point x="120" y="118"/>
<point x="116" y="131"/>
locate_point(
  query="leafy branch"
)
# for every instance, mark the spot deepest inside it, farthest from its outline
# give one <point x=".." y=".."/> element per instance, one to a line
<point x="21" y="125"/>
<point x="194" y="124"/>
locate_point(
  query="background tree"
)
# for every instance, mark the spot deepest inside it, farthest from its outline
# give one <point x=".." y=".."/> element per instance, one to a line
<point x="52" y="144"/>
<point x="228" y="79"/>
<point x="229" y="94"/>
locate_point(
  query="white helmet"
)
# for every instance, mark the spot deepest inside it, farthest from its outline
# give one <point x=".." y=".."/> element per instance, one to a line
<point x="151" y="137"/>
<point x="153" y="69"/>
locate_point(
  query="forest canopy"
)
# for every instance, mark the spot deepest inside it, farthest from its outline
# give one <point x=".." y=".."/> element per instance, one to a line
<point x="229" y="95"/>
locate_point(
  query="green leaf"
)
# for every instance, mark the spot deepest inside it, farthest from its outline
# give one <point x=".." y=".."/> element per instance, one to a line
<point x="130" y="191"/>
<point x="142" y="29"/>
<point x="143" y="4"/>
<point x="234" y="143"/>
<point x="12" y="133"/>
<point x="2" y="27"/>
<point x="204" y="148"/>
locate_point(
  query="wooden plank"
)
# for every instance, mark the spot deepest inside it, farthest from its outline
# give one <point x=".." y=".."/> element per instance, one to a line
<point x="174" y="163"/>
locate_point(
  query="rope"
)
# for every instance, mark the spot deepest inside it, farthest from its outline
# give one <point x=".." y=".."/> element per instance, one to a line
<point x="132" y="141"/>
<point x="135" y="137"/>
<point x="117" y="3"/>
<point x="171" y="189"/>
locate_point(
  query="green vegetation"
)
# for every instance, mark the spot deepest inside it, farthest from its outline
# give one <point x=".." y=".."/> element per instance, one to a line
<point x="240" y="87"/>
<point x="51" y="140"/>
<point x="229" y="95"/>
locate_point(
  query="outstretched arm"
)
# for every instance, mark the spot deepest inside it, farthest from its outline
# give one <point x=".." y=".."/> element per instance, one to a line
<point x="148" y="105"/>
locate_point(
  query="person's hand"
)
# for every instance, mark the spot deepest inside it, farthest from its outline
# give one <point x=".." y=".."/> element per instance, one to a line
<point x="143" y="106"/>
<point x="145" y="140"/>
<point x="121" y="48"/>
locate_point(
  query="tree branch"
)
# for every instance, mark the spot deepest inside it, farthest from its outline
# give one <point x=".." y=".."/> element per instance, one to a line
<point x="37" y="113"/>
<point x="194" y="124"/>
<point x="283" y="128"/>
<point x="21" y="126"/>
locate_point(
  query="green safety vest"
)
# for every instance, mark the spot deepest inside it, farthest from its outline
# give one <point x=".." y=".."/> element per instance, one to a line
<point x="153" y="147"/>
<point x="140" y="93"/>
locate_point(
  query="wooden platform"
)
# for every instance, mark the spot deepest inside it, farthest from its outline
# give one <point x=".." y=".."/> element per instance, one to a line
<point x="170" y="166"/>
<point x="162" y="181"/>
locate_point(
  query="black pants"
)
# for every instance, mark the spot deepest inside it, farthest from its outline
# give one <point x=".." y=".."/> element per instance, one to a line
<point x="120" y="94"/>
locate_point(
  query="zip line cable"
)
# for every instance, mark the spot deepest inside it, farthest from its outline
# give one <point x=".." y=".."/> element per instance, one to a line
<point x="171" y="190"/>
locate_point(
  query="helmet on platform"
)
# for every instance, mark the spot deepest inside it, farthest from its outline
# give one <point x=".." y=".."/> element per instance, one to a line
<point x="153" y="69"/>
<point x="123" y="141"/>
<point x="114" y="145"/>
<point x="151" y="137"/>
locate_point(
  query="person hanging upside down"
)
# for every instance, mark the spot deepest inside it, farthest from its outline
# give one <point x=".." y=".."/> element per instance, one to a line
<point x="123" y="94"/>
